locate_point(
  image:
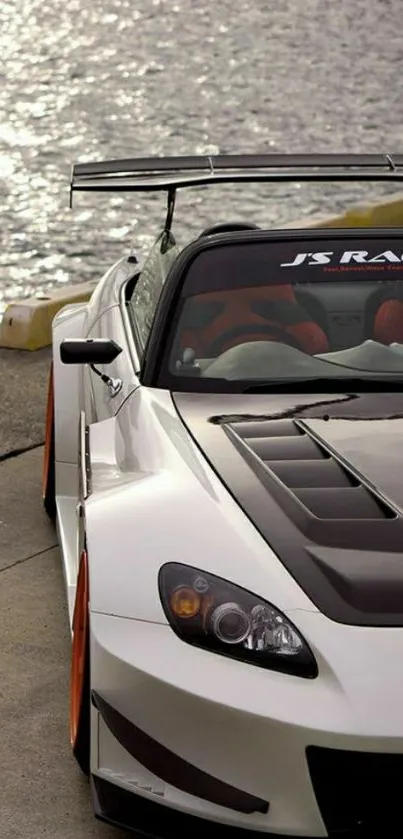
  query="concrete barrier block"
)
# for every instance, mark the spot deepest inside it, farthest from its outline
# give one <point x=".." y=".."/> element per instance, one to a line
<point x="27" y="324"/>
<point x="387" y="213"/>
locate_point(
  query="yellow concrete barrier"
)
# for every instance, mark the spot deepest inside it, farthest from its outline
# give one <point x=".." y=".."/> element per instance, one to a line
<point x="27" y="324"/>
<point x="387" y="213"/>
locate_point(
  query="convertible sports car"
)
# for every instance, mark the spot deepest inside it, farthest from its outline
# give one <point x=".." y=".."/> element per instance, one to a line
<point x="224" y="462"/>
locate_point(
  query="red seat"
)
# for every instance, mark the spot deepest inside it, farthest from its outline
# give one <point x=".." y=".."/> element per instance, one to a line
<point x="388" y="322"/>
<point x="223" y="319"/>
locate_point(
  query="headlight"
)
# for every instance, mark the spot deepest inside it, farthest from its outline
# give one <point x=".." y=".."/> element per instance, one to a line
<point x="212" y="613"/>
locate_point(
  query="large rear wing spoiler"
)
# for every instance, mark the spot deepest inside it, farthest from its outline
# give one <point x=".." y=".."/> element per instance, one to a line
<point x="155" y="174"/>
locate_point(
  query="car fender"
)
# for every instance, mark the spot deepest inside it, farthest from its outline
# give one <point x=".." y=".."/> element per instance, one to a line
<point x="155" y="499"/>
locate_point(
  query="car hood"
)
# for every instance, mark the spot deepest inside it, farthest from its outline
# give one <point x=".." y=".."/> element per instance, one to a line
<point x="321" y="478"/>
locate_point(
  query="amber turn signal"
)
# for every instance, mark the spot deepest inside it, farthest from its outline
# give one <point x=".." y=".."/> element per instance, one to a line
<point x="185" y="602"/>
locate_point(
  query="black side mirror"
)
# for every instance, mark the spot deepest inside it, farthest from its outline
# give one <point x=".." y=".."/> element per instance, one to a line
<point x="88" y="351"/>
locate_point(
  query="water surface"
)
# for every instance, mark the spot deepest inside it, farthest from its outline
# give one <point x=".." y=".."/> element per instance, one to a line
<point x="92" y="79"/>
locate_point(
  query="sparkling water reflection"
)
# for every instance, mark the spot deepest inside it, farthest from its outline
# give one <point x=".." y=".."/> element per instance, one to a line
<point x="100" y="79"/>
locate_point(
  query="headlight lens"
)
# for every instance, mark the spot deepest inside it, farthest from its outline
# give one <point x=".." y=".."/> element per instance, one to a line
<point x="212" y="613"/>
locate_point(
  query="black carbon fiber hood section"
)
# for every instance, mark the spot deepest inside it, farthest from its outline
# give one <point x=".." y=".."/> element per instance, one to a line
<point x="322" y="480"/>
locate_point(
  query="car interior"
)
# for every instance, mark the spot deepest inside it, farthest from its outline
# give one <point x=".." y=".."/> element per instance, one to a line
<point x="313" y="317"/>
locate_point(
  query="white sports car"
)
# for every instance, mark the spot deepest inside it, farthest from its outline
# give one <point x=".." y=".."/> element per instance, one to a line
<point x="224" y="462"/>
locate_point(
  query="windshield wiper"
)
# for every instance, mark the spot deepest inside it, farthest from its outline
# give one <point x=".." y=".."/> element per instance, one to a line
<point x="310" y="384"/>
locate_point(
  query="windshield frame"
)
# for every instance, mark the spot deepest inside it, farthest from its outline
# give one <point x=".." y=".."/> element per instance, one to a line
<point x="155" y="369"/>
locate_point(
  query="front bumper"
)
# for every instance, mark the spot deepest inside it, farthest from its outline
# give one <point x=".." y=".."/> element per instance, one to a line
<point x="299" y="757"/>
<point x="117" y="806"/>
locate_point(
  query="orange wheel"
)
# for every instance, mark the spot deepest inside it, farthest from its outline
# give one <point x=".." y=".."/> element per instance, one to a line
<point x="79" y="677"/>
<point x="48" y="468"/>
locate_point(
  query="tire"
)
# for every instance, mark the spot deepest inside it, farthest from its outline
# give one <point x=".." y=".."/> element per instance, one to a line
<point x="49" y="466"/>
<point x="80" y="721"/>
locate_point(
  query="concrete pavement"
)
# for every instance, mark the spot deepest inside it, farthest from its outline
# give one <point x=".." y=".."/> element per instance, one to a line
<point x="23" y="387"/>
<point x="43" y="795"/>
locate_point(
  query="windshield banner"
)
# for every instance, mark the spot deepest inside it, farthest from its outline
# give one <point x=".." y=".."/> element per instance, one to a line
<point x="231" y="265"/>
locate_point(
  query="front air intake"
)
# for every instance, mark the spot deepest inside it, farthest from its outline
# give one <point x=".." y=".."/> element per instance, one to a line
<point x="358" y="793"/>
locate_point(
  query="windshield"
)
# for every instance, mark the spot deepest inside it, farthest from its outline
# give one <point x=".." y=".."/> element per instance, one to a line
<point x="267" y="311"/>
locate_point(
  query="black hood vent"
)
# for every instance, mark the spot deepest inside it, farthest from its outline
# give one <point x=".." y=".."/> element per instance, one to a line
<point x="325" y="498"/>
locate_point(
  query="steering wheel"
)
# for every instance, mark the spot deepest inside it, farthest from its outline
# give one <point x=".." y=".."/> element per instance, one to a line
<point x="217" y="347"/>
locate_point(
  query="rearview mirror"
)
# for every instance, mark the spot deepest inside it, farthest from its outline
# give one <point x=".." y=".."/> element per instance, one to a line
<point x="88" y="351"/>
